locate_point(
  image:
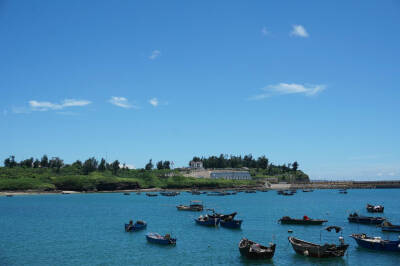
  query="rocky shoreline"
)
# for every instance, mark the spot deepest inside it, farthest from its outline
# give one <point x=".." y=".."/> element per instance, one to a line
<point x="281" y="186"/>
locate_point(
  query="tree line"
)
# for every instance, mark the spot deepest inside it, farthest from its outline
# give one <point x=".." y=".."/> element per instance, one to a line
<point x="88" y="166"/>
<point x="160" y="165"/>
<point x="262" y="162"/>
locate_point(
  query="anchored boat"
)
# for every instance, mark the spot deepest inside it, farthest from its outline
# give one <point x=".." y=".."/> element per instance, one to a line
<point x="207" y="220"/>
<point x="169" y="194"/>
<point x="253" y="250"/>
<point x="355" y="218"/>
<point x="159" y="239"/>
<point x="376" y="243"/>
<point x="377" y="208"/>
<point x="305" y="221"/>
<point x="389" y="227"/>
<point x="132" y="227"/>
<point x="195" y="205"/>
<point x="320" y="251"/>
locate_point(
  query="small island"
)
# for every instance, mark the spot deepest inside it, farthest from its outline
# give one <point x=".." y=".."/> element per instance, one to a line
<point x="91" y="175"/>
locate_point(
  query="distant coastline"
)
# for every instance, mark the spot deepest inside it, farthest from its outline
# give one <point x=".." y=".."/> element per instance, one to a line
<point x="312" y="185"/>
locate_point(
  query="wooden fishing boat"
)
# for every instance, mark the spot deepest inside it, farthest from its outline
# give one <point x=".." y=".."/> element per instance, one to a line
<point x="320" y="251"/>
<point x="304" y="221"/>
<point x="169" y="194"/>
<point x="233" y="224"/>
<point x="355" y="218"/>
<point x="389" y="227"/>
<point x="220" y="215"/>
<point x="308" y="190"/>
<point x="133" y="227"/>
<point x="376" y="243"/>
<point x="207" y="221"/>
<point x="343" y="191"/>
<point x="195" y="205"/>
<point x="159" y="239"/>
<point x="148" y="194"/>
<point x="377" y="208"/>
<point x="253" y="250"/>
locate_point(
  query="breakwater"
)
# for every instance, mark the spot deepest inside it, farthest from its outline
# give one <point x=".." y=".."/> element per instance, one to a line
<point x="347" y="184"/>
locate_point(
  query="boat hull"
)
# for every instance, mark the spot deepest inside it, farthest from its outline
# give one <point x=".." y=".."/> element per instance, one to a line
<point x="246" y="251"/>
<point x="233" y="224"/>
<point x="394" y="228"/>
<point x="302" y="221"/>
<point x="384" y="245"/>
<point x="135" y="227"/>
<point x="371" y="208"/>
<point x="366" y="220"/>
<point x="318" y="251"/>
<point x="157" y="239"/>
<point x="210" y="222"/>
<point x="189" y="208"/>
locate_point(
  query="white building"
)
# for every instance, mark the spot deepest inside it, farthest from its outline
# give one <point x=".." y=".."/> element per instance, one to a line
<point x="233" y="175"/>
<point x="196" y="165"/>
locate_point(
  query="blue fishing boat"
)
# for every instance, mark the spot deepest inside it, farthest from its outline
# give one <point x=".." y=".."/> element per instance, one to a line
<point x="355" y="218"/>
<point x="159" y="239"/>
<point x="389" y="227"/>
<point x="376" y="243"/>
<point x="207" y="221"/>
<point x="233" y="224"/>
<point x="132" y="227"/>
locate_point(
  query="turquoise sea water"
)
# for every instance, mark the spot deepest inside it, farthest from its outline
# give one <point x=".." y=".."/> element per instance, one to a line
<point x="88" y="229"/>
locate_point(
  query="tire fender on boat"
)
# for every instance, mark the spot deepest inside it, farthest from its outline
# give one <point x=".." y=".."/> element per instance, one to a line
<point x="306" y="253"/>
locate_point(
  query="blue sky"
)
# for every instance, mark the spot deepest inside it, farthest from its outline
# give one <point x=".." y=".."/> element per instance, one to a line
<point x="315" y="81"/>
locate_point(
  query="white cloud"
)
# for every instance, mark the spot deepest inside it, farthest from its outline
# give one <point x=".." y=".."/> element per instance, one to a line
<point x="130" y="166"/>
<point x="299" y="30"/>
<point x="44" y="106"/>
<point x="121" y="102"/>
<point x="154" y="102"/>
<point x="155" y="54"/>
<point x="288" y="88"/>
<point x="264" y="31"/>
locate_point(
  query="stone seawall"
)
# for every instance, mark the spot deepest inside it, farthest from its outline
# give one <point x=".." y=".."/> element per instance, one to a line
<point x="348" y="184"/>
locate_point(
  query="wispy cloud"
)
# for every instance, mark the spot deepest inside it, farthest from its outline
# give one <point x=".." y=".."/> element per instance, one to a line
<point x="20" y="110"/>
<point x="264" y="31"/>
<point x="44" y="106"/>
<point x="154" y="102"/>
<point x="299" y="31"/>
<point x="154" y="54"/>
<point x="122" y="102"/>
<point x="288" y="88"/>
